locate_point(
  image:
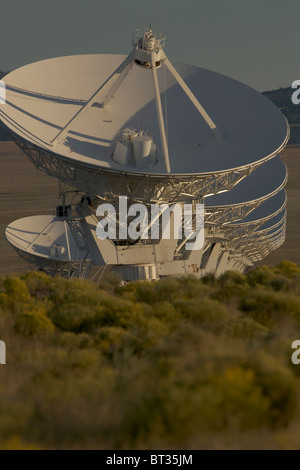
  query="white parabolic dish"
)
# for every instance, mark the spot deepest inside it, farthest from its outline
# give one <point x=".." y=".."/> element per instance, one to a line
<point x="42" y="97"/>
<point x="265" y="211"/>
<point x="44" y="237"/>
<point x="264" y="182"/>
<point x="139" y="126"/>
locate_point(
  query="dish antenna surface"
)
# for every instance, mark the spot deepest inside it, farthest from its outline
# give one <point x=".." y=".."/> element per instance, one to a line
<point x="51" y="243"/>
<point x="141" y="127"/>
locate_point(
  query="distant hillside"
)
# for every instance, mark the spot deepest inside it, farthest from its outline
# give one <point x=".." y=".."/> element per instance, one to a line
<point x="282" y="97"/>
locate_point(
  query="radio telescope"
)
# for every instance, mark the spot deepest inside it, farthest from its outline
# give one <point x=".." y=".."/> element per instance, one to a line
<point x="249" y="194"/>
<point x="156" y="132"/>
<point x="244" y="242"/>
<point x="51" y="243"/>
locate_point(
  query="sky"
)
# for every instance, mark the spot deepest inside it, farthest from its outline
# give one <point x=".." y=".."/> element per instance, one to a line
<point x="256" y="42"/>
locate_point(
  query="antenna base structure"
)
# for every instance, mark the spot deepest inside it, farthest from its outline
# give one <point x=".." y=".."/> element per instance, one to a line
<point x="155" y="133"/>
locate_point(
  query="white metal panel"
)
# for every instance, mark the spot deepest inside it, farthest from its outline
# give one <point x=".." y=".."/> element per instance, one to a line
<point x="42" y="97"/>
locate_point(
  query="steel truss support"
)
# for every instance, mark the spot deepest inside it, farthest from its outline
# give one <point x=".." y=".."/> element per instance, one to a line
<point x="109" y="184"/>
<point x="53" y="267"/>
<point x="239" y="232"/>
<point x="245" y="244"/>
<point x="221" y="215"/>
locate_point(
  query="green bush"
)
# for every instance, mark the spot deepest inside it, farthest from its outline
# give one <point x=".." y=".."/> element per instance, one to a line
<point x="150" y="292"/>
<point x="16" y="443"/>
<point x="241" y="401"/>
<point x="34" y="322"/>
<point x="74" y="316"/>
<point x="279" y="283"/>
<point x="244" y="327"/>
<point x="16" y="288"/>
<point x="268" y="307"/>
<point x="206" y="312"/>
<point x="176" y="363"/>
<point x="288" y="269"/>
<point x="278" y="384"/>
<point x="230" y="278"/>
<point x="112" y="339"/>
<point x="40" y="285"/>
<point x="70" y="339"/>
<point x="260" y="276"/>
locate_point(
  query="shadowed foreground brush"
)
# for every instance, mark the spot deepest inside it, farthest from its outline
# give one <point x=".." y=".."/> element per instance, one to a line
<point x="176" y="363"/>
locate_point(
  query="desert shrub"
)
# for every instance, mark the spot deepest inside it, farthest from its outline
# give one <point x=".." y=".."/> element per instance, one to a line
<point x="63" y="291"/>
<point x="230" y="287"/>
<point x="260" y="276"/>
<point x="231" y="293"/>
<point x="145" y="292"/>
<point x="209" y="278"/>
<point x="145" y="333"/>
<point x="287" y="268"/>
<point x="149" y="365"/>
<point x="269" y="307"/>
<point x="74" y="316"/>
<point x="82" y="359"/>
<point x="167" y="313"/>
<point x="70" y="339"/>
<point x="166" y="288"/>
<point x="279" y="385"/>
<point x="30" y="313"/>
<point x="116" y="311"/>
<point x="246" y="328"/>
<point x="232" y="278"/>
<point x="128" y="290"/>
<point x="278" y="278"/>
<point x="279" y="283"/>
<point x="112" y="339"/>
<point x="282" y="394"/>
<point x="16" y="295"/>
<point x="15" y="415"/>
<point x="240" y="400"/>
<point x="156" y="291"/>
<point x="39" y="284"/>
<point x="173" y="405"/>
<point x="17" y="443"/>
<point x="192" y="287"/>
<point x="83" y="307"/>
<point x="57" y="364"/>
<point x="110" y="283"/>
<point x="16" y="288"/>
<point x="75" y="407"/>
<point x="207" y="312"/>
<point x="4" y="301"/>
<point x="33" y="322"/>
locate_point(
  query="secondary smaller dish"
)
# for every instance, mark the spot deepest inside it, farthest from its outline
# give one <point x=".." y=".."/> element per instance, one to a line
<point x="48" y="242"/>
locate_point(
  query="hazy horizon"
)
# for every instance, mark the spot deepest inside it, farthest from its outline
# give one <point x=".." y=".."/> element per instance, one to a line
<point x="255" y="42"/>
